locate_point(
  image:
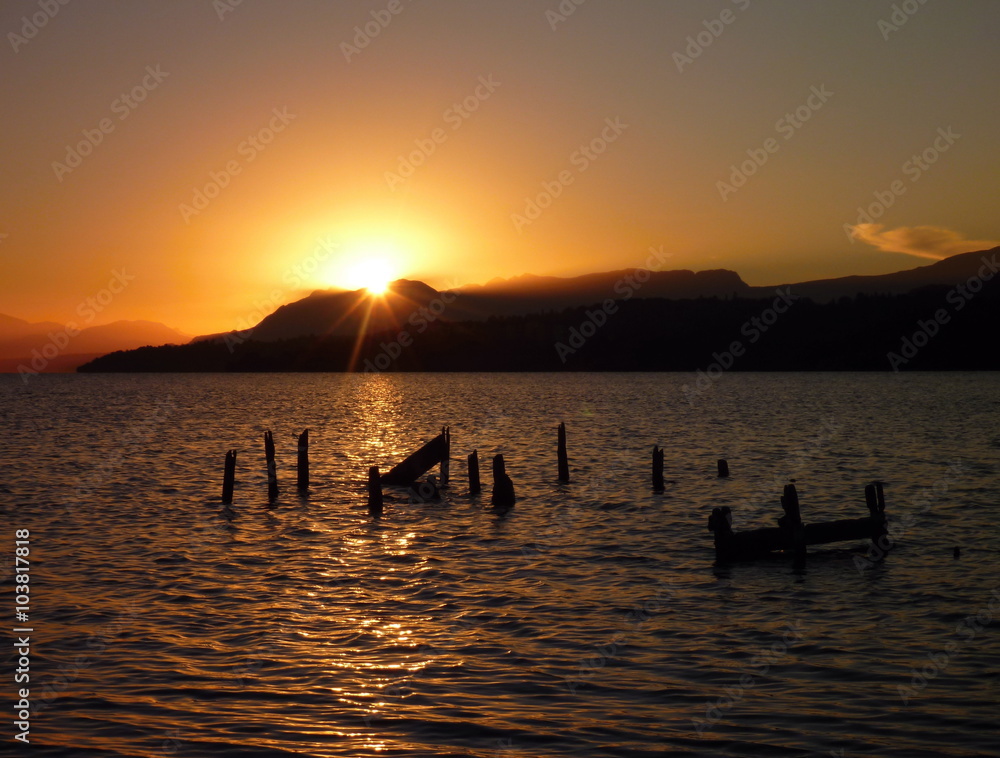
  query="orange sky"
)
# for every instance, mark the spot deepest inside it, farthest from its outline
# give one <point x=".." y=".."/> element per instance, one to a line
<point x="426" y="144"/>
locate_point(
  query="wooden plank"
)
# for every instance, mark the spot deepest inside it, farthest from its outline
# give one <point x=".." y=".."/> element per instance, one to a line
<point x="419" y="463"/>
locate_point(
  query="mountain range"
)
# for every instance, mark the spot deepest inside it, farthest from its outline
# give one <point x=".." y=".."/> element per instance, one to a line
<point x="413" y="306"/>
<point x="50" y="347"/>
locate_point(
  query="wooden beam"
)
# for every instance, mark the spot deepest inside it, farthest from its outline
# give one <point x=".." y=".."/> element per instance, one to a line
<point x="419" y="463"/>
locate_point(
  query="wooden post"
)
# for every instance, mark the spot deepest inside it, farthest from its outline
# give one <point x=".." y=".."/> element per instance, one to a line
<point x="871" y="499"/>
<point x="790" y="504"/>
<point x="229" y="477"/>
<point x="475" y="487"/>
<point x="657" y="469"/>
<point x="446" y="458"/>
<point x="374" y="492"/>
<point x="503" y="487"/>
<point x="723" y="468"/>
<point x="303" y="463"/>
<point x="272" y="472"/>
<point x="563" y="460"/>
<point x="419" y="463"/>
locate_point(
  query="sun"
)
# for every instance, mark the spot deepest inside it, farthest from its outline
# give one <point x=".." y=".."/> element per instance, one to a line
<point x="372" y="274"/>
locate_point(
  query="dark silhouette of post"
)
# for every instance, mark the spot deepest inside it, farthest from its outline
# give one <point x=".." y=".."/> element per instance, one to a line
<point x="272" y="471"/>
<point x="563" y="460"/>
<point x="791" y="534"/>
<point x="229" y="477"/>
<point x="420" y="462"/>
<point x="374" y="492"/>
<point x="503" y="487"/>
<point x="790" y="504"/>
<point x="303" y="462"/>
<point x="657" y="469"/>
<point x="446" y="458"/>
<point x="723" y="468"/>
<point x="475" y="487"/>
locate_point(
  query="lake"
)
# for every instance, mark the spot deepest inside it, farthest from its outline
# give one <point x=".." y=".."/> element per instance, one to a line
<point x="589" y="620"/>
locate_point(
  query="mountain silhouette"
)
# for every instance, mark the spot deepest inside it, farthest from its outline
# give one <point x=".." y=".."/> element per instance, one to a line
<point x="340" y="313"/>
<point x="57" y="349"/>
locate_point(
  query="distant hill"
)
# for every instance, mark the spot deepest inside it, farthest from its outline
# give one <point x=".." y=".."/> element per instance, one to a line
<point x="948" y="272"/>
<point x="706" y="335"/>
<point x="48" y="345"/>
<point x="334" y="313"/>
<point x="414" y="307"/>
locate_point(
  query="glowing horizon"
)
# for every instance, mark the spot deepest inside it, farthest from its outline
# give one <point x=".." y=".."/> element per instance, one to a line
<point x="217" y="163"/>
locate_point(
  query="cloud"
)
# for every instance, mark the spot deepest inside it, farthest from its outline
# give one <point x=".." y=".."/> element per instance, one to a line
<point x="932" y="242"/>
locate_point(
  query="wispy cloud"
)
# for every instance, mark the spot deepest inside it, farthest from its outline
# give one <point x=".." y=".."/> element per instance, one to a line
<point x="932" y="242"/>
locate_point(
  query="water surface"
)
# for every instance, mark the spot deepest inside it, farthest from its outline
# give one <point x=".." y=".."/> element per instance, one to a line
<point x="588" y="621"/>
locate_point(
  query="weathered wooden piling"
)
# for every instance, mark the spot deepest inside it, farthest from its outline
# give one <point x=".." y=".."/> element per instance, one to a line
<point x="229" y="477"/>
<point x="723" y="466"/>
<point x="272" y="471"/>
<point x="475" y="486"/>
<point x="791" y="533"/>
<point x="503" y="487"/>
<point x="790" y="504"/>
<point x="446" y="458"/>
<point x="420" y="462"/>
<point x="303" y="461"/>
<point x="657" y="469"/>
<point x="563" y="459"/>
<point x="374" y="492"/>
